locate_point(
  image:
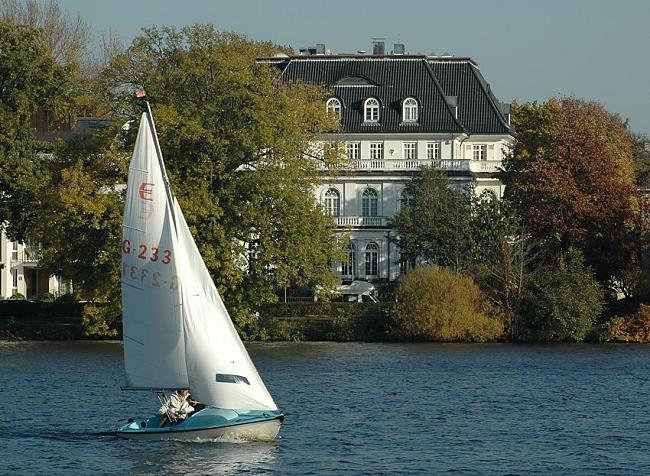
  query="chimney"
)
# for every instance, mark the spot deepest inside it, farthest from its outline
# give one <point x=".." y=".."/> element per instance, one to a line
<point x="378" y="46"/>
<point x="398" y="49"/>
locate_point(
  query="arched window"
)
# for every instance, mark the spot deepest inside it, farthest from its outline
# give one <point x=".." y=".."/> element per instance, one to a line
<point x="333" y="107"/>
<point x="350" y="261"/>
<point x="369" y="200"/>
<point x="410" y="110"/>
<point x="372" y="259"/>
<point x="332" y="202"/>
<point x="405" y="199"/>
<point x="371" y="110"/>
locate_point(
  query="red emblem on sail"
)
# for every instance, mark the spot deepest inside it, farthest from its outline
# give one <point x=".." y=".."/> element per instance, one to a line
<point x="146" y="191"/>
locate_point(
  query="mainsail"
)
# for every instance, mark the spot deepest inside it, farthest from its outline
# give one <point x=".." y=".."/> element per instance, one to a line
<point x="177" y="331"/>
<point x="154" y="352"/>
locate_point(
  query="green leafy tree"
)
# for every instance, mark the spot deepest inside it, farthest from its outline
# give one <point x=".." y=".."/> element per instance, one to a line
<point x="435" y="223"/>
<point x="29" y="79"/>
<point x="561" y="302"/>
<point x="452" y="226"/>
<point x="235" y="142"/>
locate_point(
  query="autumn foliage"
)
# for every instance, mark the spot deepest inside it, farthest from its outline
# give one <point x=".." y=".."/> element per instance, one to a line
<point x="571" y="178"/>
<point x="437" y="304"/>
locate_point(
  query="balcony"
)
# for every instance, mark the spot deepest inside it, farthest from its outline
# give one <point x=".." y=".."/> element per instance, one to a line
<point x="361" y="221"/>
<point x="27" y="257"/>
<point x="401" y="165"/>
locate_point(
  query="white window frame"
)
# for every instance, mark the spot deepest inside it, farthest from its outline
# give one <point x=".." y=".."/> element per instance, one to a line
<point x="405" y="264"/>
<point x="376" y="150"/>
<point x="433" y="150"/>
<point x="332" y="202"/>
<point x="410" y="110"/>
<point x="479" y="151"/>
<point x="348" y="265"/>
<point x="404" y="199"/>
<point x="372" y="259"/>
<point x="333" y="106"/>
<point x="353" y="150"/>
<point x="410" y="150"/>
<point x="371" y="110"/>
<point x="370" y="203"/>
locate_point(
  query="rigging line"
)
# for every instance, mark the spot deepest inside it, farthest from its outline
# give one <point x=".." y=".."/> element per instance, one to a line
<point x="132" y="286"/>
<point x="161" y="164"/>
<point x="134" y="340"/>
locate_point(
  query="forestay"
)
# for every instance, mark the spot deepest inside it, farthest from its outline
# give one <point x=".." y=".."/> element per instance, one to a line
<point x="154" y="351"/>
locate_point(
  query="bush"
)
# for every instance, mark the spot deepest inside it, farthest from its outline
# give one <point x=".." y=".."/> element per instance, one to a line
<point x="436" y="304"/>
<point x="101" y="320"/>
<point x="561" y="303"/>
<point x="634" y="328"/>
<point x="47" y="297"/>
<point x="17" y="297"/>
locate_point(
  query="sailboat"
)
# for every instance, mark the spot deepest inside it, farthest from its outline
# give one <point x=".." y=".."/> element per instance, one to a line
<point x="176" y="330"/>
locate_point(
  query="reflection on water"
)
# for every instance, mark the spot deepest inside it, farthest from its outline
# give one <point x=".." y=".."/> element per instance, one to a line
<point x="351" y="408"/>
<point x="197" y="458"/>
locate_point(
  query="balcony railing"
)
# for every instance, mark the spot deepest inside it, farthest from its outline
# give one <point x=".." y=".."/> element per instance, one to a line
<point x="26" y="257"/>
<point x="361" y="221"/>
<point x="416" y="164"/>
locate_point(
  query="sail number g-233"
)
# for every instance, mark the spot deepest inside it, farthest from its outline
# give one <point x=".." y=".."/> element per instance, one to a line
<point x="142" y="275"/>
<point x="152" y="254"/>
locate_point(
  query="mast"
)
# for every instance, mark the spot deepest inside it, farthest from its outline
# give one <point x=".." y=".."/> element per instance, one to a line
<point x="142" y="94"/>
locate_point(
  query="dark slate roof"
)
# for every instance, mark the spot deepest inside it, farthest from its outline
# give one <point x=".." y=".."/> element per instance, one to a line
<point x="391" y="79"/>
<point x="478" y="109"/>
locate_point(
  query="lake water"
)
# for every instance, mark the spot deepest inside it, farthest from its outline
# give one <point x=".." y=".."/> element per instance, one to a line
<point x="351" y="409"/>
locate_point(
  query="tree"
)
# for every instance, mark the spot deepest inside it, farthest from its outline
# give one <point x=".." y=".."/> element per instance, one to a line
<point x="450" y="225"/>
<point x="438" y="304"/>
<point x="66" y="37"/>
<point x="434" y="223"/>
<point x="234" y="143"/>
<point x="29" y="79"/>
<point x="571" y="179"/>
<point x="561" y="302"/>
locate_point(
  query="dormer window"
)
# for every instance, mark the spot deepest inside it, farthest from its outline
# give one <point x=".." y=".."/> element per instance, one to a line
<point x="333" y="107"/>
<point x="410" y="110"/>
<point x="371" y="110"/>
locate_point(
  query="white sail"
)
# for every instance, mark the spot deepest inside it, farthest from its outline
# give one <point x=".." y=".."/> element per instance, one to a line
<point x="154" y="351"/>
<point x="220" y="371"/>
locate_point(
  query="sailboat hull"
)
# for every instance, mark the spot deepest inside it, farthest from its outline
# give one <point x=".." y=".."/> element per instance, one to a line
<point x="209" y="424"/>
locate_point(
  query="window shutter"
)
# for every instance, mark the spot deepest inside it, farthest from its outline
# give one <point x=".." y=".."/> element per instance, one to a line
<point x="468" y="151"/>
<point x="490" y="152"/>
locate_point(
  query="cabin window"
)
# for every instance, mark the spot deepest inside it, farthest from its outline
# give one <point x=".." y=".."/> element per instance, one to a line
<point x="230" y="378"/>
<point x="371" y="110"/>
<point x="410" y="110"/>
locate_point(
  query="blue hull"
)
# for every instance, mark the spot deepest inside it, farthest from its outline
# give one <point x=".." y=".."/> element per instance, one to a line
<point x="208" y="424"/>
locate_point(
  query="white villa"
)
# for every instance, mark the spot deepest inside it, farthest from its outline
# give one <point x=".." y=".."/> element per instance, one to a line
<point x="19" y="272"/>
<point x="399" y="112"/>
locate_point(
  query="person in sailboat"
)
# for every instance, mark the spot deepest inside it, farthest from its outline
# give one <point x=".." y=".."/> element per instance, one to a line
<point x="177" y="407"/>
